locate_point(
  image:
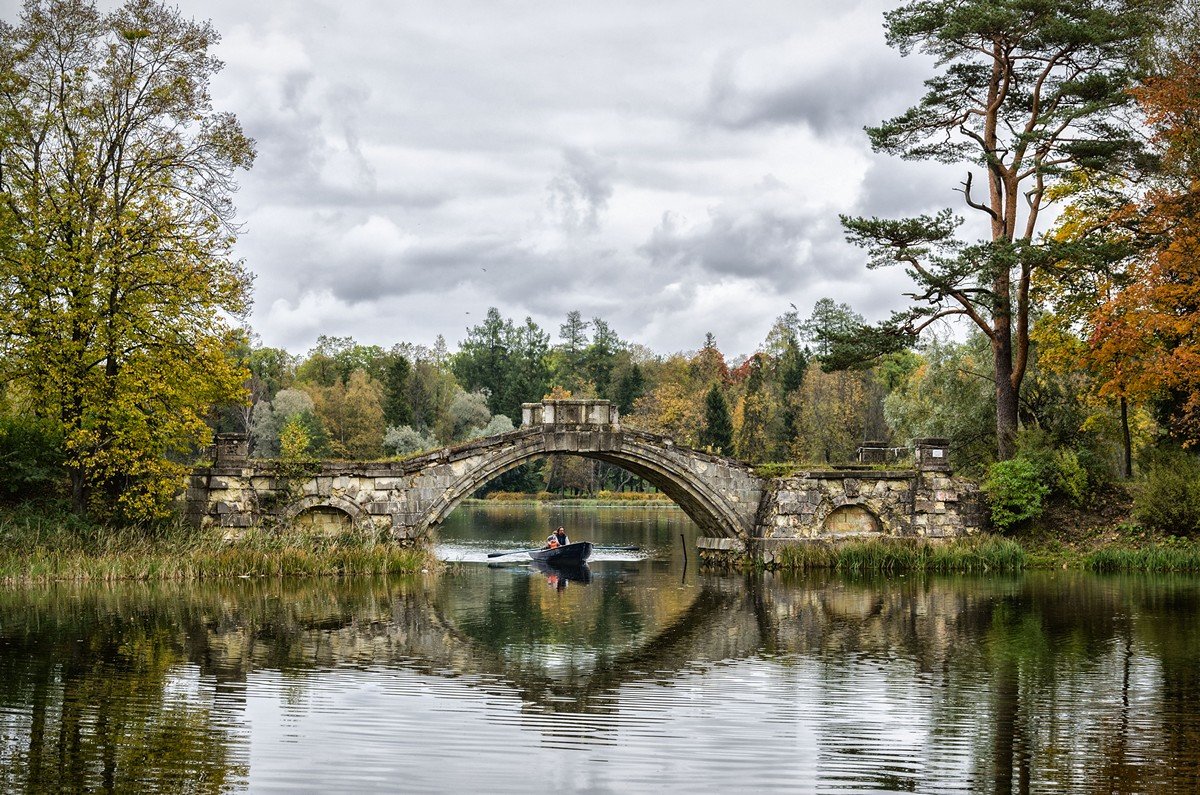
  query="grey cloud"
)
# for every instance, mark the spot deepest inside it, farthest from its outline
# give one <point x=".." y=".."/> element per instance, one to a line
<point x="580" y="192"/>
<point x="841" y="97"/>
<point x="762" y="243"/>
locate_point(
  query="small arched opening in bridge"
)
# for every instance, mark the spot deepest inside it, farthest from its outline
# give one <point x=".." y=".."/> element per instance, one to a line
<point x="329" y="515"/>
<point x="851" y="520"/>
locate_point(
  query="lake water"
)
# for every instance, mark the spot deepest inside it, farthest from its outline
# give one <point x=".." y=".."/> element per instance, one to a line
<point x="643" y="676"/>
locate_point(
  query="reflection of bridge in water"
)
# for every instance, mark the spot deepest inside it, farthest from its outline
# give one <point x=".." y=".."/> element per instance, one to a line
<point x="731" y="618"/>
<point x="739" y="510"/>
<point x="94" y="682"/>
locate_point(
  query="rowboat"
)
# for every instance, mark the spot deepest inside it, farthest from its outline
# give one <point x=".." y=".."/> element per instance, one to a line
<point x="569" y="555"/>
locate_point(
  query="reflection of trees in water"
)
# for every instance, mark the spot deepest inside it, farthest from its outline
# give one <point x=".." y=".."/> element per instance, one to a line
<point x="95" y="699"/>
<point x="1055" y="680"/>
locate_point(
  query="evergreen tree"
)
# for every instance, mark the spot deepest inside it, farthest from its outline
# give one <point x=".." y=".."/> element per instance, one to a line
<point x="397" y="411"/>
<point x="630" y="387"/>
<point x="1029" y="95"/>
<point x="717" y="432"/>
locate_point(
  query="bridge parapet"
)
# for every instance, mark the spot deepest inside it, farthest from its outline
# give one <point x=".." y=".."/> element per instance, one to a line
<point x="571" y="412"/>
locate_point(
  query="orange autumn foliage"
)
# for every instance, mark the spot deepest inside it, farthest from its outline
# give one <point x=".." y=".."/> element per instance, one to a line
<point x="1146" y="338"/>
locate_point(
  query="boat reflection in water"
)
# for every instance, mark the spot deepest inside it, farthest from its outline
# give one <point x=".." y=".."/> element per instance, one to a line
<point x="559" y="575"/>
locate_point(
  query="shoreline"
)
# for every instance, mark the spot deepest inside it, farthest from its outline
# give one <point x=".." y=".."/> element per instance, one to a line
<point x="43" y="544"/>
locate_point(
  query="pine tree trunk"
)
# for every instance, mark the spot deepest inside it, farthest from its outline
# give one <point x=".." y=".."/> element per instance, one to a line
<point x="1006" y="400"/>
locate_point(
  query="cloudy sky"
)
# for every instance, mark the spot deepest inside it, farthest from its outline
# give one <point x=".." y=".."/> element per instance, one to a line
<point x="672" y="167"/>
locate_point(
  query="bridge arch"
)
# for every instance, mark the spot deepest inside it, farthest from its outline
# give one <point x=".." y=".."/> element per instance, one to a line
<point x="720" y="495"/>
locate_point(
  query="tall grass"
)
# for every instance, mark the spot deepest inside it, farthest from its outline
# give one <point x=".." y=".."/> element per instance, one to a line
<point x="1171" y="555"/>
<point x="978" y="554"/>
<point x="55" y="546"/>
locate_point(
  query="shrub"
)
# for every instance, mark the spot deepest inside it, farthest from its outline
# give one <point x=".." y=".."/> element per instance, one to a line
<point x="31" y="458"/>
<point x="1169" y="500"/>
<point x="1060" y="468"/>
<point x="1015" y="491"/>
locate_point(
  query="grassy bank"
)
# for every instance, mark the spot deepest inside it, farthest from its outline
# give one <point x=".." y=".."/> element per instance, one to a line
<point x="973" y="555"/>
<point x="50" y="545"/>
<point x="991" y="554"/>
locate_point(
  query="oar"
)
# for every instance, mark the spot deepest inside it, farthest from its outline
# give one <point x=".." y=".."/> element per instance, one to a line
<point x="514" y="552"/>
<point x="618" y="549"/>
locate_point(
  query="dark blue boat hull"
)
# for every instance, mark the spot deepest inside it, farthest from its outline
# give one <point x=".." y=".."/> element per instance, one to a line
<point x="570" y="555"/>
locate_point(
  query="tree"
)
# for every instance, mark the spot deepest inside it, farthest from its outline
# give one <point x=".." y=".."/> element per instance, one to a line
<point x="708" y="365"/>
<point x="293" y="440"/>
<point x="757" y="412"/>
<point x="529" y="376"/>
<point x="352" y="414"/>
<point x="948" y="393"/>
<point x="404" y="441"/>
<point x="269" y="418"/>
<point x="828" y="323"/>
<point x="600" y="358"/>
<point x="832" y="415"/>
<point x="117" y="282"/>
<point x="1027" y="92"/>
<point x="717" y="432"/>
<point x="396" y="408"/>
<point x="467" y="414"/>
<point x="1145" y="333"/>
<point x="630" y="386"/>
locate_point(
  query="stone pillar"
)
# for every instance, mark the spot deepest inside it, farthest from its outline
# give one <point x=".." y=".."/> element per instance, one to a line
<point x="232" y="448"/>
<point x="932" y="454"/>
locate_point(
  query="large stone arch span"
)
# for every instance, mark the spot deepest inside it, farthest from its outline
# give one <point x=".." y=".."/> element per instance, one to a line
<point x="720" y="494"/>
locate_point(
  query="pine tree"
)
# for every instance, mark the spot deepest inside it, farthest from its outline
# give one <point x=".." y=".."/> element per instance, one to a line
<point x="717" y="433"/>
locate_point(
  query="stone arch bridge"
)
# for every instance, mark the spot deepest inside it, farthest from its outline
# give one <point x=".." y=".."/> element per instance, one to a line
<point x="732" y="505"/>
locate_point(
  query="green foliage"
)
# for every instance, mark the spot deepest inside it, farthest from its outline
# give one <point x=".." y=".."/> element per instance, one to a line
<point x="468" y="412"/>
<point x="47" y="547"/>
<point x="1024" y="95"/>
<point x="1169" y="499"/>
<point x="396" y="407"/>
<point x="506" y="362"/>
<point x="630" y="387"/>
<point x="1015" y="491"/>
<point x="1175" y="554"/>
<point x="268" y="419"/>
<point x="1058" y="468"/>
<point x="31" y="458"/>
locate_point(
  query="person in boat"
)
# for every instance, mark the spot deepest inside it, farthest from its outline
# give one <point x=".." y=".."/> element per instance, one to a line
<point x="557" y="539"/>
